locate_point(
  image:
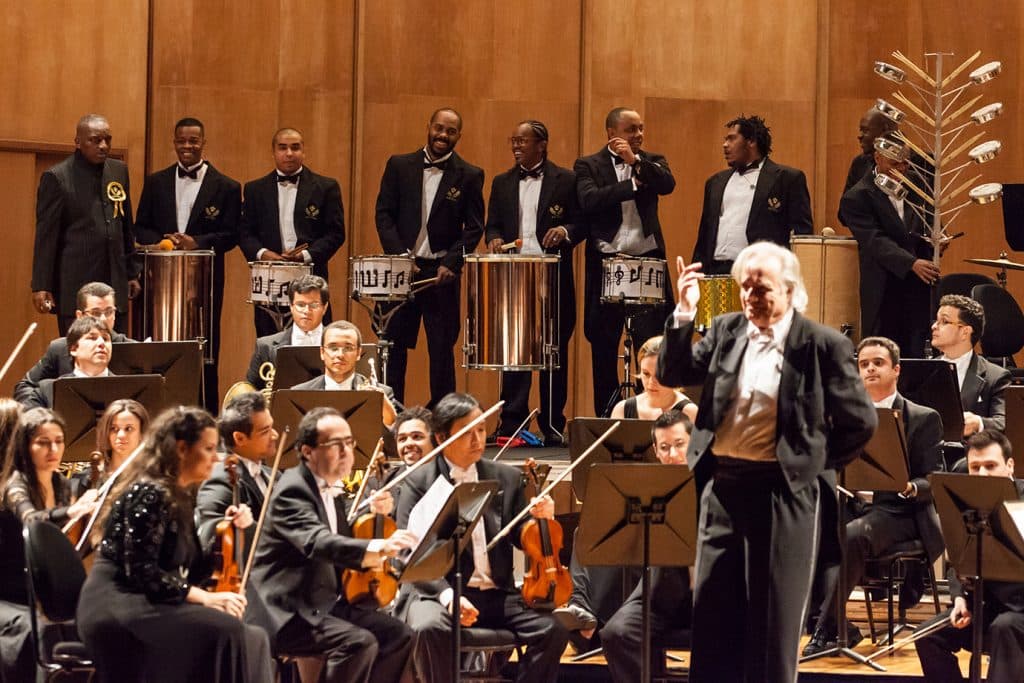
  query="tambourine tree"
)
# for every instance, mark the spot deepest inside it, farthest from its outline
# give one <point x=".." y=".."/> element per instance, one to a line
<point x="929" y="140"/>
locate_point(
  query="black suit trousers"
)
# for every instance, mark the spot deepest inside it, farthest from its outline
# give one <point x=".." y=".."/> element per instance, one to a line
<point x="355" y="642"/>
<point x="544" y="638"/>
<point x="1003" y="640"/>
<point x="438" y="307"/>
<point x="756" y="546"/>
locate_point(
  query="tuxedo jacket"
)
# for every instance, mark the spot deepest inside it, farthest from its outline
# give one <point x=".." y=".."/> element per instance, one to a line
<point x="557" y="206"/>
<point x="266" y="352"/>
<point x="601" y="194"/>
<point x="319" y="218"/>
<point x="888" y="247"/>
<point x="781" y="205"/>
<point x="503" y="506"/>
<point x="56" y="362"/>
<point x="298" y="558"/>
<point x="214" y="497"/>
<point x="984" y="392"/>
<point x="78" y="237"/>
<point x="923" y="428"/>
<point x="824" y="414"/>
<point x="456" y="218"/>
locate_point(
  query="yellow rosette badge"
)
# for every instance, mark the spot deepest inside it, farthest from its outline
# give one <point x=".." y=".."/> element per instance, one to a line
<point x="116" y="194"/>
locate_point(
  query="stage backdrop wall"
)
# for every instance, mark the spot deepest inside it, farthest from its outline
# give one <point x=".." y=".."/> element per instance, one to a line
<point x="361" y="78"/>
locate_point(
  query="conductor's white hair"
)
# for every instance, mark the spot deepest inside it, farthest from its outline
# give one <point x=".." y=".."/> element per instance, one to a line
<point x="790" y="269"/>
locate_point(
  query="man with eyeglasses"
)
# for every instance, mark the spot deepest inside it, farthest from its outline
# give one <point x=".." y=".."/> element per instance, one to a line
<point x="247" y="428"/>
<point x="95" y="299"/>
<point x="535" y="202"/>
<point x="340" y="349"/>
<point x="671" y="599"/>
<point x="291" y="214"/>
<point x="306" y="542"/>
<point x="309" y="299"/>
<point x="430" y="207"/>
<point x="959" y="324"/>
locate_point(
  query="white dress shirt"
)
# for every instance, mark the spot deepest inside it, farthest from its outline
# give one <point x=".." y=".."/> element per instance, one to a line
<point x="311" y="338"/>
<point x="629" y="239"/>
<point x="887" y="401"/>
<point x="286" y="194"/>
<point x="372" y="557"/>
<point x="529" y="200"/>
<point x="185" y="192"/>
<point x="962" y="363"/>
<point x="343" y="385"/>
<point x="737" y="199"/>
<point x="481" y="577"/>
<point x="256" y="472"/>
<point x="431" y="181"/>
<point x="78" y="372"/>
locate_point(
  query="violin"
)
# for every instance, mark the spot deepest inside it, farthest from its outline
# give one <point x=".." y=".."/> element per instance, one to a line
<point x="547" y="583"/>
<point x="226" y="575"/>
<point x="76" y="527"/>
<point x="377" y="585"/>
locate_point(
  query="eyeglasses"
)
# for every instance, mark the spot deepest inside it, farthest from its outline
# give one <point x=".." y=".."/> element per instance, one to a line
<point x="102" y="312"/>
<point x="940" y="322"/>
<point x="347" y="350"/>
<point x="303" y="305"/>
<point x="344" y="442"/>
<point x="519" y="142"/>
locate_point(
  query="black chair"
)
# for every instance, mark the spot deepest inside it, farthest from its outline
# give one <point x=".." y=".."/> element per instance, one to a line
<point x="484" y="652"/>
<point x="894" y="563"/>
<point x="1004" y="326"/>
<point x="961" y="283"/>
<point x="54" y="576"/>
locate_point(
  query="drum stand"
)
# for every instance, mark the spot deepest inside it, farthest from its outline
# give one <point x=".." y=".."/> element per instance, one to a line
<point x="278" y="314"/>
<point x="627" y="387"/>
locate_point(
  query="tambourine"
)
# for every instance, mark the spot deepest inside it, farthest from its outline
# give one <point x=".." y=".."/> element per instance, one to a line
<point x="891" y="149"/>
<point x="890" y="186"/>
<point x="987" y="113"/>
<point x="986" y="151"/>
<point x="986" y="193"/>
<point x="986" y="72"/>
<point x="890" y="72"/>
<point x="889" y="111"/>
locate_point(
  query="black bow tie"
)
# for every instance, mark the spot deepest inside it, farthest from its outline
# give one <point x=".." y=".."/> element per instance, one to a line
<point x="441" y="165"/>
<point x="618" y="161"/>
<point x="193" y="174"/>
<point x="334" y="490"/>
<point x="535" y="173"/>
<point x="293" y="179"/>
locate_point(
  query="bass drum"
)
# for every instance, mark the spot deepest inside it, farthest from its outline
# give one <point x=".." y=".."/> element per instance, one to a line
<point x="511" y="312"/>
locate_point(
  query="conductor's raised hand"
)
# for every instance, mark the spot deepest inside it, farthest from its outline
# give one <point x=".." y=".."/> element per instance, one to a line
<point x="687" y="284"/>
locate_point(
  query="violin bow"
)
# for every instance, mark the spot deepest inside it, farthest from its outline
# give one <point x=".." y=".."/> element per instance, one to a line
<point x="377" y="452"/>
<point x="515" y="434"/>
<point x="17" y="349"/>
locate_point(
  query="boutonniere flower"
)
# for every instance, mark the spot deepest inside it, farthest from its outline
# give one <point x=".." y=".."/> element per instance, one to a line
<point x="211" y="212"/>
<point x="312" y="212"/>
<point x="774" y="204"/>
<point x="556" y="211"/>
<point x="453" y="194"/>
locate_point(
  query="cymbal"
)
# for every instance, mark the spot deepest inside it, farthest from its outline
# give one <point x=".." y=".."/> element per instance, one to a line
<point x="996" y="263"/>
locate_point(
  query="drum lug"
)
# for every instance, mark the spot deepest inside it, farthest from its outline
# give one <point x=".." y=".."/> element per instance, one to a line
<point x="551" y="354"/>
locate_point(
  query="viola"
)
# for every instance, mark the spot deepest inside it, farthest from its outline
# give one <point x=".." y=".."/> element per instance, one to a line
<point x="377" y="585"/>
<point x="226" y="574"/>
<point x="547" y="583"/>
<point x="76" y="527"/>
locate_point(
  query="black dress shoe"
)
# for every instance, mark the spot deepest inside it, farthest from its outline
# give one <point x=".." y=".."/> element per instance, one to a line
<point x="555" y="441"/>
<point x="819" y="642"/>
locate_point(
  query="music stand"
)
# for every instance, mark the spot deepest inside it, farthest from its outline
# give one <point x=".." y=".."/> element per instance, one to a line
<point x="1014" y="396"/>
<point x="640" y="511"/>
<point x="446" y="539"/>
<point x="932" y="382"/>
<point x="1013" y="226"/>
<point x="881" y="467"/>
<point x="361" y="409"/>
<point x="981" y="539"/>
<point x="297" y="364"/>
<point x="179" y="362"/>
<point x="633" y="442"/>
<point x="81" y="401"/>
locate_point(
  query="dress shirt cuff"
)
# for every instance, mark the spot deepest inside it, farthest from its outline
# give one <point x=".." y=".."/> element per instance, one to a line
<point x="681" y="317"/>
<point x="373" y="558"/>
<point x="633" y="180"/>
<point x="260" y="253"/>
<point x="307" y="258"/>
<point x="445" y="598"/>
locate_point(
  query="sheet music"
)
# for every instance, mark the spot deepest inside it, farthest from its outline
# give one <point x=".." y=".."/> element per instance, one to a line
<point x="1016" y="510"/>
<point x="426" y="510"/>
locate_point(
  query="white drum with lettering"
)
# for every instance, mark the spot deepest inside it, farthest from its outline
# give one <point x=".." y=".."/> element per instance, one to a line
<point x="381" y="278"/>
<point x="633" y="280"/>
<point x="269" y="281"/>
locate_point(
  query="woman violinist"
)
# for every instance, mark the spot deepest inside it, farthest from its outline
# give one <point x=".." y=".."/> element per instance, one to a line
<point x="141" y="614"/>
<point x="118" y="433"/>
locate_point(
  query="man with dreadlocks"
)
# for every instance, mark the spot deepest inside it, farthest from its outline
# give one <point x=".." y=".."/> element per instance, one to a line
<point x="535" y="201"/>
<point x="754" y="199"/>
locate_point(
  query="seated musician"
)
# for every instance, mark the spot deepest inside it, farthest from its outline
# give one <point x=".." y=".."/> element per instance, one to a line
<point x="893" y="517"/>
<point x="989" y="454"/>
<point x="94" y="298"/>
<point x="247" y="429"/>
<point x="31" y="489"/>
<point x="308" y="299"/>
<point x="306" y="541"/>
<point x="655" y="399"/>
<point x="959" y="324"/>
<point x="414" y="439"/>
<point x="89" y="344"/>
<point x="490" y="598"/>
<point x="340" y="348"/>
<point x="118" y="433"/>
<point x="671" y="599"/>
<point x="141" y="613"/>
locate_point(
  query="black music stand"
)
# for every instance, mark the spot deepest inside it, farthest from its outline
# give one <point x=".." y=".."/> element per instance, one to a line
<point x="82" y="400"/>
<point x="1013" y="226"/>
<point x="881" y="467"/>
<point x="633" y="442"/>
<point x="179" y="362"/>
<point x="932" y="382"/>
<point x="297" y="364"/>
<point x="444" y="542"/>
<point x="361" y="409"/>
<point x="640" y="512"/>
<point x="981" y="539"/>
